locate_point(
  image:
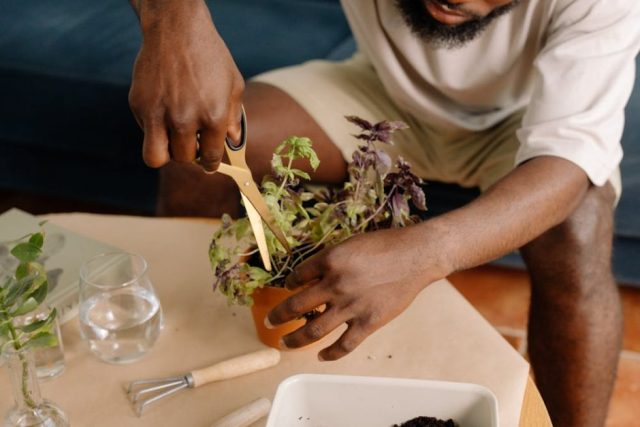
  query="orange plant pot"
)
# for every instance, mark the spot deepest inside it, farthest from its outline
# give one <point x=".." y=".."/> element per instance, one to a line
<point x="265" y="299"/>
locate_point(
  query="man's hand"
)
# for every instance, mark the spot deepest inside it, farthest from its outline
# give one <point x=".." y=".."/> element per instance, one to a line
<point x="185" y="84"/>
<point x="365" y="282"/>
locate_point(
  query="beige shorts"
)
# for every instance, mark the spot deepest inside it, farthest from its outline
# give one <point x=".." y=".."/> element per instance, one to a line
<point x="329" y="91"/>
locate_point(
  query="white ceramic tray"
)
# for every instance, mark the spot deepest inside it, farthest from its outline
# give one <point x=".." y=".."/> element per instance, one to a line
<point x="309" y="400"/>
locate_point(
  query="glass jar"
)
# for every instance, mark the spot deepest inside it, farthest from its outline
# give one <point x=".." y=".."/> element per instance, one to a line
<point x="120" y="313"/>
<point x="30" y="409"/>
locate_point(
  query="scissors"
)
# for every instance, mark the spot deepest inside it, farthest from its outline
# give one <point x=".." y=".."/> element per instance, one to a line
<point x="256" y="208"/>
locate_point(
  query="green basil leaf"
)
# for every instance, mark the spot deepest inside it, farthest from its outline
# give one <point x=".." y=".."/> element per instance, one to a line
<point x="301" y="174"/>
<point x="242" y="228"/>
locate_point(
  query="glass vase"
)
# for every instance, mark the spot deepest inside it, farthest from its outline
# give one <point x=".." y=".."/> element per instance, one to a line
<point x="49" y="360"/>
<point x="30" y="409"/>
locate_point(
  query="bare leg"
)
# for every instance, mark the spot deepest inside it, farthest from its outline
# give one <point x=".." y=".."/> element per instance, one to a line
<point x="575" y="320"/>
<point x="184" y="190"/>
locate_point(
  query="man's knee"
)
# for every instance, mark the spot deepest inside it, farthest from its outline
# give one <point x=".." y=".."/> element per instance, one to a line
<point x="273" y="116"/>
<point x="579" y="246"/>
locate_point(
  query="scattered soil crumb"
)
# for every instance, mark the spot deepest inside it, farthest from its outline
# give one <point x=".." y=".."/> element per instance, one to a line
<point x="371" y="357"/>
<point x="390" y="356"/>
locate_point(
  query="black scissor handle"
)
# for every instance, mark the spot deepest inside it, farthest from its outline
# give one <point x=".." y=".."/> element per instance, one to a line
<point x="243" y="134"/>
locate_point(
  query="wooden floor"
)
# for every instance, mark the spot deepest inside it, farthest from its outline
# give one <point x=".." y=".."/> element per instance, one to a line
<point x="501" y="295"/>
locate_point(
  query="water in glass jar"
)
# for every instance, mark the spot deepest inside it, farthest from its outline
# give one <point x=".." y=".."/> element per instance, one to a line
<point x="121" y="326"/>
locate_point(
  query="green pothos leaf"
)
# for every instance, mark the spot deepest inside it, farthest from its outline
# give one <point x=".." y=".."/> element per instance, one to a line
<point x="27" y="306"/>
<point x="37" y="240"/>
<point x="40" y="293"/>
<point x="41" y="339"/>
<point x="40" y="325"/>
<point x="26" y="252"/>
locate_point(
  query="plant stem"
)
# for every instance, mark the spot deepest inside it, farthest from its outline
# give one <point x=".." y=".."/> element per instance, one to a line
<point x="247" y="254"/>
<point x="314" y="247"/>
<point x="25" y="366"/>
<point x="356" y="192"/>
<point x="284" y="180"/>
<point x="382" y="205"/>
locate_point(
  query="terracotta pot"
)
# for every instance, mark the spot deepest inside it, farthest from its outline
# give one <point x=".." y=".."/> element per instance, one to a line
<point x="264" y="299"/>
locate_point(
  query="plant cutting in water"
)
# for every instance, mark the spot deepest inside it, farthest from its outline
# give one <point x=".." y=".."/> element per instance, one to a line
<point x="376" y="196"/>
<point x="21" y="292"/>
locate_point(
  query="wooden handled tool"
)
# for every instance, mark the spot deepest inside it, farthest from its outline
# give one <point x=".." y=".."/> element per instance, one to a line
<point x="144" y="392"/>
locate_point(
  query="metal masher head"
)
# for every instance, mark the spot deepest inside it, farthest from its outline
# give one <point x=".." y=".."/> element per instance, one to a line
<point x="145" y="392"/>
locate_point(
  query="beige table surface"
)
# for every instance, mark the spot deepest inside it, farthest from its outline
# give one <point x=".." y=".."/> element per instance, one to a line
<point x="440" y="336"/>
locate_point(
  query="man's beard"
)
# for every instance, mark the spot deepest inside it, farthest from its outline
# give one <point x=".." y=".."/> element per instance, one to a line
<point x="438" y="34"/>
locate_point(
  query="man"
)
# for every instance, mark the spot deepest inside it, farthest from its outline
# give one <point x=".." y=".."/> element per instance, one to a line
<point x="523" y="99"/>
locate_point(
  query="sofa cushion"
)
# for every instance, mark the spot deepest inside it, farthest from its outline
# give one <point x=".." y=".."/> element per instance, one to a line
<point x="97" y="41"/>
<point x="65" y="69"/>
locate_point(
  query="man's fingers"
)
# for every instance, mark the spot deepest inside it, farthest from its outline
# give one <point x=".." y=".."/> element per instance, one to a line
<point x="307" y="271"/>
<point x="314" y="330"/>
<point x="155" y="148"/>
<point x="184" y="143"/>
<point x="298" y="304"/>
<point x="348" y="341"/>
<point x="211" y="148"/>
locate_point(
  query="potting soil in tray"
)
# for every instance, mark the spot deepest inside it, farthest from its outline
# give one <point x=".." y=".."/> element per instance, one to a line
<point x="426" y="422"/>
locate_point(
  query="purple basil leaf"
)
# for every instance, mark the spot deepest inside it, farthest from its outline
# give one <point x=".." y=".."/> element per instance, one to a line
<point x="417" y="197"/>
<point x="402" y="165"/>
<point x="383" y="136"/>
<point x="397" y="125"/>
<point x="363" y="136"/>
<point x="391" y="179"/>
<point x="383" y="162"/>
<point x="362" y="123"/>
<point x="399" y="208"/>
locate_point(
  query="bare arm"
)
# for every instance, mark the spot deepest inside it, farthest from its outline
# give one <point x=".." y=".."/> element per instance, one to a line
<point x="370" y="279"/>
<point x="530" y="200"/>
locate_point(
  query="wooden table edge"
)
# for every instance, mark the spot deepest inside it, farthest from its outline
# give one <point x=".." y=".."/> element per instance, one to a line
<point x="534" y="412"/>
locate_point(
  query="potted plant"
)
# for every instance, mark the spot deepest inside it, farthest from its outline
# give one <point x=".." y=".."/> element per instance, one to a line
<point x="375" y="196"/>
<point x="22" y="292"/>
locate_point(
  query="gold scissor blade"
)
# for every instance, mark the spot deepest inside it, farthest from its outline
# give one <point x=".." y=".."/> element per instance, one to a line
<point x="255" y="198"/>
<point x="248" y="188"/>
<point x="258" y="232"/>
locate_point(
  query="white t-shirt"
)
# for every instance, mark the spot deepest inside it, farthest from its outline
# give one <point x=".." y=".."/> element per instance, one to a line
<point x="569" y="63"/>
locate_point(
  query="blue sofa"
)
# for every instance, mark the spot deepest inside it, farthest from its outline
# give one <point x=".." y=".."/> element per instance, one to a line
<point x="65" y="125"/>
